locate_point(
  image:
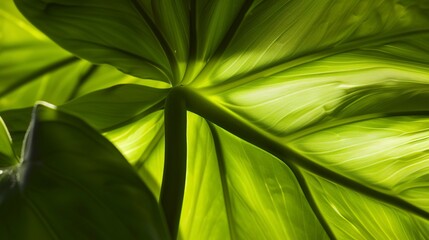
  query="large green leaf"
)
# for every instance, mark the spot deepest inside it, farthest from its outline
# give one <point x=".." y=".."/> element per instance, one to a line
<point x="34" y="68"/>
<point x="72" y="183"/>
<point x="145" y="58"/>
<point x="328" y="102"/>
<point x="244" y="192"/>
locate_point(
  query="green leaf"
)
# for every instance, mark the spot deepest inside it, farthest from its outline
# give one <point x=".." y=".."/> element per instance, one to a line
<point x="146" y="59"/>
<point x="73" y="184"/>
<point x="313" y="115"/>
<point x="391" y="156"/>
<point x="243" y="191"/>
<point x="354" y="85"/>
<point x="142" y="143"/>
<point x="7" y="155"/>
<point x="115" y="105"/>
<point x="34" y="68"/>
<point x="356" y="216"/>
<point x="28" y="58"/>
<point x="404" y="189"/>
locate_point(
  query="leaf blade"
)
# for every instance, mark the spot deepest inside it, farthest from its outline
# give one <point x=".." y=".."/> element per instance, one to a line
<point x="55" y="174"/>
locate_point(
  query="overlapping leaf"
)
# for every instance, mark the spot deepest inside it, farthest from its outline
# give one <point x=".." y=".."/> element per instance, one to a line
<point x="7" y="154"/>
<point x="72" y="183"/>
<point x="336" y="90"/>
<point x="33" y="68"/>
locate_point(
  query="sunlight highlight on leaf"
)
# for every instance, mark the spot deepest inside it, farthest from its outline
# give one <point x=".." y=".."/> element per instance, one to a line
<point x="266" y="200"/>
<point x="335" y="88"/>
<point x="388" y="154"/>
<point x="274" y="33"/>
<point x="356" y="216"/>
<point x="237" y="191"/>
<point x="204" y="214"/>
<point x="135" y="138"/>
<point x="309" y="118"/>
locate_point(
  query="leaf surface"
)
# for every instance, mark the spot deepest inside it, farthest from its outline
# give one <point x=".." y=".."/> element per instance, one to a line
<point x="135" y="24"/>
<point x="353" y="215"/>
<point x="7" y="155"/>
<point x="72" y="184"/>
<point x="115" y="105"/>
<point x="142" y="143"/>
<point x="245" y="192"/>
<point x="391" y="155"/>
<point x="312" y="114"/>
<point x="34" y="68"/>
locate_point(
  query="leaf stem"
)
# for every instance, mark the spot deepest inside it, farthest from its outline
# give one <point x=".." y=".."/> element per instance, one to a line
<point x="173" y="181"/>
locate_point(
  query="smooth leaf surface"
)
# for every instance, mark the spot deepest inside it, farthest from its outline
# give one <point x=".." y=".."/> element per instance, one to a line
<point x="247" y="45"/>
<point x="34" y="68"/>
<point x="243" y="191"/>
<point x="26" y="55"/>
<point x="17" y="121"/>
<point x="72" y="184"/>
<point x="7" y="155"/>
<point x="115" y="105"/>
<point x="337" y="91"/>
<point x="144" y="58"/>
<point x="275" y="35"/>
<point x="354" y="84"/>
<point x="356" y="216"/>
<point x="390" y="156"/>
<point x="142" y="143"/>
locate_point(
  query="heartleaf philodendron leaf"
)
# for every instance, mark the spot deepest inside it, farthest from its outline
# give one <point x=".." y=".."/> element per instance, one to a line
<point x="69" y="170"/>
<point x="309" y="118"/>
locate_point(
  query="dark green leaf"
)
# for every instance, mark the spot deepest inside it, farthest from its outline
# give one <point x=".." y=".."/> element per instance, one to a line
<point x="144" y="57"/>
<point x="73" y="184"/>
<point x="34" y="68"/>
<point x="17" y="121"/>
<point x="7" y="155"/>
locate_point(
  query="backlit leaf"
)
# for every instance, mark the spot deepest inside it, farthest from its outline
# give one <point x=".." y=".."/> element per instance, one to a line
<point x="309" y="117"/>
